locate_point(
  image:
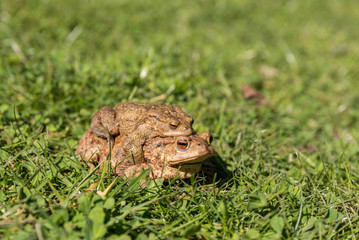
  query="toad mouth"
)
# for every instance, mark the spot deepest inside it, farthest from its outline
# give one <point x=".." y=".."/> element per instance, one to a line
<point x="190" y="161"/>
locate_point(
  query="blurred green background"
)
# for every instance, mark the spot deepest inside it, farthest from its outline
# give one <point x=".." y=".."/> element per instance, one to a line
<point x="60" y="61"/>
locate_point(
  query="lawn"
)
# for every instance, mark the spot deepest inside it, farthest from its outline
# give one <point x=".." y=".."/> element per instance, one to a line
<point x="292" y="163"/>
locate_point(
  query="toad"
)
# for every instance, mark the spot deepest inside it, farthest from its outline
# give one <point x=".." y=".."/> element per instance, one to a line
<point x="168" y="157"/>
<point x="139" y="122"/>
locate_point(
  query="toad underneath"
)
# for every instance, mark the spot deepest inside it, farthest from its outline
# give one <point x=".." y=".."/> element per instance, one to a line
<point x="139" y="122"/>
<point x="168" y="157"/>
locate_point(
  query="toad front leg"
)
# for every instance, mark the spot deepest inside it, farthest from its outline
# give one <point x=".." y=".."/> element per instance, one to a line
<point x="133" y="143"/>
<point x="166" y="173"/>
<point x="155" y="173"/>
<point x="103" y="120"/>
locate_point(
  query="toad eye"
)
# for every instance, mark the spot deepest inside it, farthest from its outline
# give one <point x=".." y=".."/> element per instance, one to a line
<point x="182" y="144"/>
<point x="173" y="125"/>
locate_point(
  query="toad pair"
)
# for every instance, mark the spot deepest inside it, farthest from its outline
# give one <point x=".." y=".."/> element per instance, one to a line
<point x="146" y="135"/>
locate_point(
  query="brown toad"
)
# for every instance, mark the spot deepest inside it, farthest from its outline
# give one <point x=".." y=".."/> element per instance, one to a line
<point x="138" y="122"/>
<point x="168" y="157"/>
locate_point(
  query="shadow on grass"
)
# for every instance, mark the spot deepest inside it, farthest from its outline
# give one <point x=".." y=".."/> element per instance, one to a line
<point x="213" y="170"/>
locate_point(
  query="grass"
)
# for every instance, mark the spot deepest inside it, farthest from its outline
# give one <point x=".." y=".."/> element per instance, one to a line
<point x="294" y="162"/>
